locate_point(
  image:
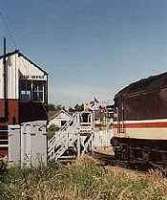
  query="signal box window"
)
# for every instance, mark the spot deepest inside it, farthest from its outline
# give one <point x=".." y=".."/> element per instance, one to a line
<point x="32" y="90"/>
<point x="25" y="90"/>
<point x="38" y="91"/>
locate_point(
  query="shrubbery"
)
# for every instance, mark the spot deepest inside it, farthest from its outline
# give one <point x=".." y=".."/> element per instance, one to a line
<point x="51" y="130"/>
<point x="83" y="179"/>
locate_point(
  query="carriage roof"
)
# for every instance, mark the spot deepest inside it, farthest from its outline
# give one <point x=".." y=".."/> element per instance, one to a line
<point x="148" y="84"/>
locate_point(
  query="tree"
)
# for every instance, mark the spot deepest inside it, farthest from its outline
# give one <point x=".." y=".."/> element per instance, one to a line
<point x="57" y="108"/>
<point x="79" y="108"/>
<point x="51" y="107"/>
<point x="71" y="110"/>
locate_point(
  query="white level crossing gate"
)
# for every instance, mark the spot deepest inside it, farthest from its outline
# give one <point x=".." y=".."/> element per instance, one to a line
<point x="74" y="138"/>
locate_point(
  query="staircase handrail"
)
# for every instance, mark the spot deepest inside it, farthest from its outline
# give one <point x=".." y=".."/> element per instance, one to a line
<point x="68" y="135"/>
<point x="63" y="128"/>
<point x="62" y="134"/>
<point x="65" y="142"/>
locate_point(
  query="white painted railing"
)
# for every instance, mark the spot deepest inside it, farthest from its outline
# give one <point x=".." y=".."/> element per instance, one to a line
<point x="69" y="135"/>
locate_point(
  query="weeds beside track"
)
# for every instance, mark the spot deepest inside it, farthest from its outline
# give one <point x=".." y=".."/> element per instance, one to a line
<point x="84" y="179"/>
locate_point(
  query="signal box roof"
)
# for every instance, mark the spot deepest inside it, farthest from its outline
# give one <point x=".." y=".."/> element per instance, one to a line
<point x="25" y="59"/>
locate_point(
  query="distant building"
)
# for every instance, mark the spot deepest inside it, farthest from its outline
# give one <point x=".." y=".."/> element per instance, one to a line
<point x="60" y="118"/>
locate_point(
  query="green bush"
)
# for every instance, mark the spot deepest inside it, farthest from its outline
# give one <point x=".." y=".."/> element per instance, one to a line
<point x="51" y="130"/>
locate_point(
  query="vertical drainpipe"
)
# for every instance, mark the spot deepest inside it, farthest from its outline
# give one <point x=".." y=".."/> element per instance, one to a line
<point x="5" y="82"/>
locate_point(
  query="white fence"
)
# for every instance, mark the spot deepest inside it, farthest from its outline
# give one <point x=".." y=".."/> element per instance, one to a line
<point x="102" y="139"/>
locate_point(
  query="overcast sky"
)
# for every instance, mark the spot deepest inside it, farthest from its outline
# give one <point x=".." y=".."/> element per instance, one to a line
<point x="89" y="47"/>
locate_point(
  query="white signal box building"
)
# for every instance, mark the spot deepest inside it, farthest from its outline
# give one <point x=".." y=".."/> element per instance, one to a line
<point x="23" y="110"/>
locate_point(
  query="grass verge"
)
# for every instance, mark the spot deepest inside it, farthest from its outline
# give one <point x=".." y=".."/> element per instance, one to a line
<point x="84" y="179"/>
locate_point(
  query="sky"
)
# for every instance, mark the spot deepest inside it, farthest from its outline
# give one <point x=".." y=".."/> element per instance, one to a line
<point x="89" y="47"/>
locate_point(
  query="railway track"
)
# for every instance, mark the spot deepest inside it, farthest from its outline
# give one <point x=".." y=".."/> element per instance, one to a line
<point x="139" y="165"/>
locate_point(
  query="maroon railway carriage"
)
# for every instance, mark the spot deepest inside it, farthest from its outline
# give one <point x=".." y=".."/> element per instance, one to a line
<point x="140" y="122"/>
